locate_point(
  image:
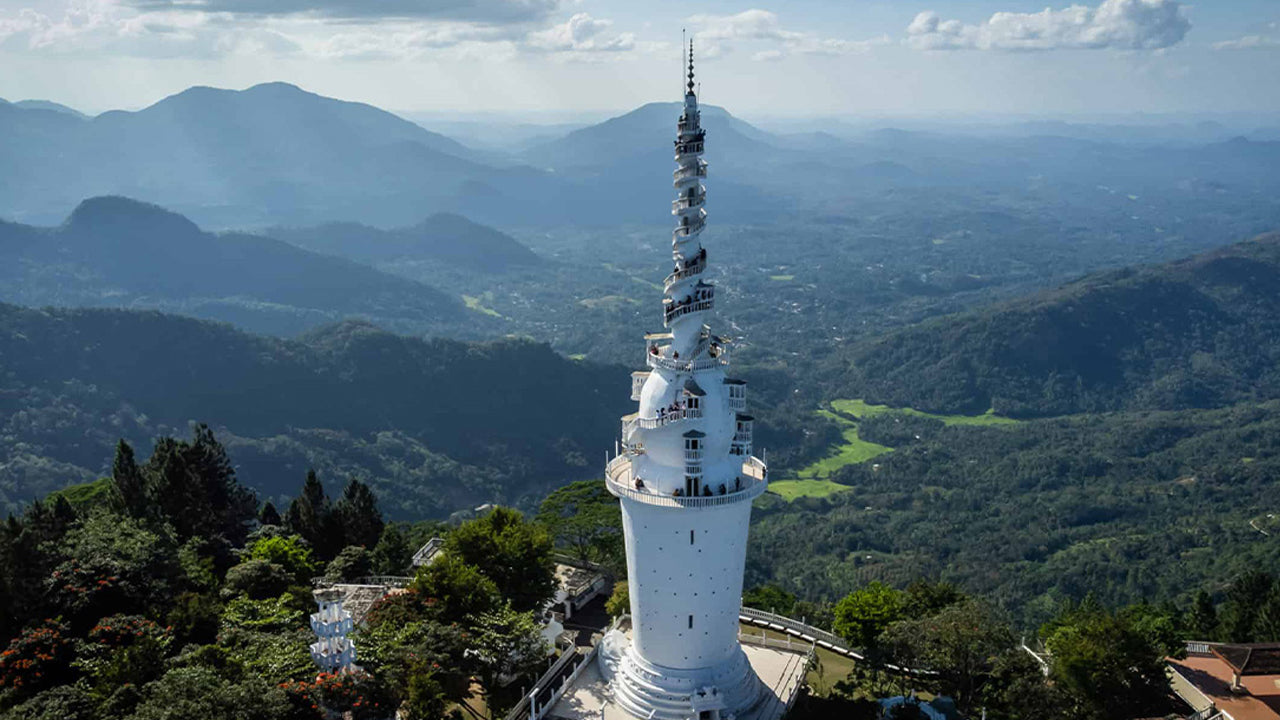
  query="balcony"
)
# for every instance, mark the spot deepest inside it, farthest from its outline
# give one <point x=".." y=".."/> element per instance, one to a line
<point x="749" y="485"/>
<point x="679" y="311"/>
<point x="693" y="228"/>
<point x="691" y="147"/>
<point x="631" y="422"/>
<point x="686" y="203"/>
<point x="692" y="267"/>
<point x="693" y="171"/>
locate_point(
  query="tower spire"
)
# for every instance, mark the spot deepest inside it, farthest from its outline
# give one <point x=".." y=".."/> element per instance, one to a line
<point x="690" y="66"/>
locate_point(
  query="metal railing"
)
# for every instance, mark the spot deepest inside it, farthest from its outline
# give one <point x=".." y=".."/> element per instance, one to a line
<point x="684" y="173"/>
<point x="688" y="272"/>
<point x="685" y="309"/>
<point x="695" y="226"/>
<point x="808" y="633"/>
<point x="667" y="419"/>
<point x="685" y="203"/>
<point x="619" y="481"/>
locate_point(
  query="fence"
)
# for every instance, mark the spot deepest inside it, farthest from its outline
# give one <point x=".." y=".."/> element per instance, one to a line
<point x="808" y="633"/>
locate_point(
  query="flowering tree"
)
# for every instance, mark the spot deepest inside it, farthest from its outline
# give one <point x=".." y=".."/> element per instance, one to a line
<point x="38" y="658"/>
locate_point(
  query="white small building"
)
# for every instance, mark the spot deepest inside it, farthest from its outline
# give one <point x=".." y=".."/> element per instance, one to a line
<point x="332" y="650"/>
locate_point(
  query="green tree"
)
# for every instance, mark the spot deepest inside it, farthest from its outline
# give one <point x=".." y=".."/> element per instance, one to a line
<point x="961" y="642"/>
<point x="619" y="602"/>
<point x="123" y="650"/>
<point x="197" y="692"/>
<point x="194" y="486"/>
<point x="129" y="485"/>
<point x="357" y="512"/>
<point x="257" y="579"/>
<point x="1244" y="600"/>
<point x="862" y="615"/>
<point x="111" y="564"/>
<point x="513" y="553"/>
<point x="289" y="552"/>
<point x="1108" y="669"/>
<point x="508" y="644"/>
<point x="311" y="516"/>
<point x="923" y="598"/>
<point x="268" y="515"/>
<point x="770" y="598"/>
<point x="1204" y="617"/>
<point x="352" y="563"/>
<point x="457" y="588"/>
<point x="393" y="554"/>
<point x="587" y="521"/>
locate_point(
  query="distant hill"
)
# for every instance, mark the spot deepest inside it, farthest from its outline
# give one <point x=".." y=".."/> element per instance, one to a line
<point x="435" y="425"/>
<point x="115" y="251"/>
<point x="270" y="154"/>
<point x="446" y="238"/>
<point x="51" y="106"/>
<point x="1198" y="333"/>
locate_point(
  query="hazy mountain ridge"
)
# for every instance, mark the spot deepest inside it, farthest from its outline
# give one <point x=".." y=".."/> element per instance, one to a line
<point x="113" y="251"/>
<point x="437" y="424"/>
<point x="445" y="238"/>
<point x="1200" y="332"/>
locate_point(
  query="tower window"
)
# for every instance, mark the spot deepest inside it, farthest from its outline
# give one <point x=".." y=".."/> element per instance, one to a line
<point x="690" y="537"/>
<point x="690" y="622"/>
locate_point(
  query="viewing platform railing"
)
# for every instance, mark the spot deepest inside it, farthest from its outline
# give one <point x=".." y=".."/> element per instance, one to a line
<point x="619" y="481"/>
<point x="674" y="416"/>
<point x="685" y="203"/>
<point x="684" y="173"/>
<point x="682" y="310"/>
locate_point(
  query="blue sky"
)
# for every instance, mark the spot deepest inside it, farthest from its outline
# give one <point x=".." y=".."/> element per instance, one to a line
<point x="852" y="58"/>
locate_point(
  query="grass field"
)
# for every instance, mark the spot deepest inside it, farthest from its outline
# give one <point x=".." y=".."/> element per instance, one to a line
<point x="790" y="490"/>
<point x="474" y="303"/>
<point x="812" y="481"/>
<point x="862" y="409"/>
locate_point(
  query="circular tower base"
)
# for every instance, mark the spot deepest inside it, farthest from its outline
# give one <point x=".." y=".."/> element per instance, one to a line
<point x="726" y="691"/>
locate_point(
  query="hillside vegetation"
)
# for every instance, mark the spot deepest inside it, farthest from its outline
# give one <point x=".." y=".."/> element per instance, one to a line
<point x="435" y="425"/>
<point x="1197" y="333"/>
<point x="113" y="251"/>
<point x="443" y="238"/>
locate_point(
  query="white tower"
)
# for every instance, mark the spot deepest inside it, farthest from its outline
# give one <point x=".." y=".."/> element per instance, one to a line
<point x="332" y="650"/>
<point x="686" y="479"/>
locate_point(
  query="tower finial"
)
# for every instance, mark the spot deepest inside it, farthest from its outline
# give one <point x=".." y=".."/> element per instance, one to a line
<point x="690" y="66"/>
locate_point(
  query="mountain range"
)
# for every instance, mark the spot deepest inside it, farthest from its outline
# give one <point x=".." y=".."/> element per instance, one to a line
<point x="274" y="154"/>
<point x="1195" y="333"/>
<point x="435" y="425"/>
<point x="443" y="238"/>
<point x="117" y="252"/>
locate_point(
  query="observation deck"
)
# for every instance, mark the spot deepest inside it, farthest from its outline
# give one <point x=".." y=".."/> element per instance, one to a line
<point x="633" y="421"/>
<point x="619" y="478"/>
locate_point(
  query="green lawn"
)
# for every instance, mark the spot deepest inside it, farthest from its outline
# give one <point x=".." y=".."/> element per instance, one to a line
<point x="862" y="409"/>
<point x="474" y="303"/>
<point x="790" y="490"/>
<point x="812" y="481"/>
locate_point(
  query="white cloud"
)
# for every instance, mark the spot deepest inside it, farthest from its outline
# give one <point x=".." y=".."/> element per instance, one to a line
<point x="580" y="34"/>
<point x="481" y="11"/>
<point x="1114" y="24"/>
<point x="717" y="34"/>
<point x="1249" y="42"/>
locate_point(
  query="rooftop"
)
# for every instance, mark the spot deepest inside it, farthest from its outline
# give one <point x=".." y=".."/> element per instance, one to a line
<point x="1202" y="680"/>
